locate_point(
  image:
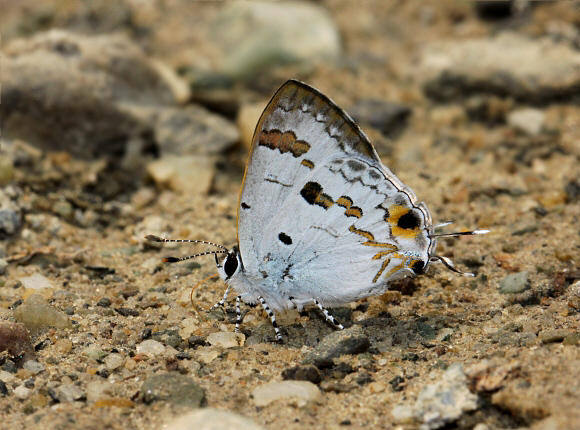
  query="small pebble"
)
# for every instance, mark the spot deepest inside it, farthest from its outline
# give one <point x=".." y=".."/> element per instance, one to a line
<point x="226" y="339"/>
<point x="349" y="341"/>
<point x="127" y="312"/>
<point x="104" y="302"/>
<point x="556" y="335"/>
<point x="150" y="347"/>
<point x="22" y="392"/>
<point x="114" y="361"/>
<point x="3" y="389"/>
<point x="515" y="283"/>
<point x="303" y="373"/>
<point x="212" y="419"/>
<point x="272" y="391"/>
<point x="36" y="313"/>
<point x="173" y="388"/>
<point x="69" y="393"/>
<point x="33" y="366"/>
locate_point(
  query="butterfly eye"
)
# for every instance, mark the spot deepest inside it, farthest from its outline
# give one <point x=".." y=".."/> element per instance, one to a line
<point x="230" y="265"/>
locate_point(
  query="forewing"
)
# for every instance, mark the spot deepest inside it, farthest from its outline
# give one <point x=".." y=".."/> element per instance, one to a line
<point x="299" y="129"/>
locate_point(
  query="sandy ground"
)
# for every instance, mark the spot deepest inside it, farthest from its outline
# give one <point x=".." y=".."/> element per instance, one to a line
<point x="478" y="174"/>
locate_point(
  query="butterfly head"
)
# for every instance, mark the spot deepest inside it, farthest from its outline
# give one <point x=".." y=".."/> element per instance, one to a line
<point x="228" y="264"/>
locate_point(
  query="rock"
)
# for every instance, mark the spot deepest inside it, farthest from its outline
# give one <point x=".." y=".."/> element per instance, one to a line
<point x="173" y="388"/>
<point x="69" y="393"/>
<point x="15" y="340"/>
<point x="528" y="121"/>
<point x="3" y="389"/>
<point x="6" y="170"/>
<point x="303" y="373"/>
<point x="104" y="302"/>
<point x="506" y="65"/>
<point x="226" y="339"/>
<point x="256" y="36"/>
<point x="349" y="341"/>
<point x="212" y="419"/>
<point x="272" y="391"/>
<point x="206" y="355"/>
<point x="193" y="130"/>
<point x="22" y="392"/>
<point x="98" y="389"/>
<point x="187" y="174"/>
<point x="555" y="335"/>
<point x="389" y="118"/>
<point x="70" y="92"/>
<point x="35" y="313"/>
<point x="94" y="352"/>
<point x="10" y="222"/>
<point x="36" y="282"/>
<point x="439" y="404"/>
<point x="150" y="347"/>
<point x="572" y="339"/>
<point x="33" y="366"/>
<point x="515" y="283"/>
<point x="3" y="266"/>
<point x="114" y="361"/>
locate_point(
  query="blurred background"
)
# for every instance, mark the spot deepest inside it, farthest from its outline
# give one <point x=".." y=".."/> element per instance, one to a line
<point x="134" y="117"/>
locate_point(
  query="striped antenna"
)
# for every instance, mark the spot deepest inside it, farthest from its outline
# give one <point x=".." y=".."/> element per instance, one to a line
<point x="460" y="233"/>
<point x="153" y="238"/>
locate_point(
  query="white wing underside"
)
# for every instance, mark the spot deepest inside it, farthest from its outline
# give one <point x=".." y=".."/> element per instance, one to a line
<point x="312" y="178"/>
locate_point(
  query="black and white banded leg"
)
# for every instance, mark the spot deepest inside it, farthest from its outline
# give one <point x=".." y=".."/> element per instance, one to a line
<point x="238" y="313"/>
<point x="272" y="318"/>
<point x="222" y="302"/>
<point x="328" y="317"/>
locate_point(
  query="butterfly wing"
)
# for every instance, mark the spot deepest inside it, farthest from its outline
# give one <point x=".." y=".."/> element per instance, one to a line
<point x="298" y="128"/>
<point x="315" y="192"/>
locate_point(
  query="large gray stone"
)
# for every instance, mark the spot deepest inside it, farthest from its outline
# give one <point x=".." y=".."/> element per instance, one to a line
<point x="507" y="65"/>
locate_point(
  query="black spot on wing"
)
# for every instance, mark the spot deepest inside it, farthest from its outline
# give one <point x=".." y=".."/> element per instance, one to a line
<point x="409" y="221"/>
<point x="285" y="239"/>
<point x="311" y="191"/>
<point x="245" y="206"/>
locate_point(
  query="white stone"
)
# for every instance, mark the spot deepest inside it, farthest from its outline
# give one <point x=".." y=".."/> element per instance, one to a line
<point x="114" y="361"/>
<point x="529" y="121"/>
<point x="33" y="366"/>
<point x="36" y="282"/>
<point x="150" y="347"/>
<point x="188" y="174"/>
<point x="226" y="339"/>
<point x="22" y="392"/>
<point x="212" y="419"/>
<point x="206" y="355"/>
<point x="268" y="393"/>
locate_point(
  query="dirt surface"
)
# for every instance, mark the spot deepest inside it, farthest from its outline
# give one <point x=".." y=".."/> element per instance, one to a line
<point x="81" y="226"/>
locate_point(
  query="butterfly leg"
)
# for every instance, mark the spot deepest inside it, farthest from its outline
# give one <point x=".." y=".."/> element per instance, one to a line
<point x="328" y="317"/>
<point x="272" y="318"/>
<point x="238" y="313"/>
<point x="222" y="301"/>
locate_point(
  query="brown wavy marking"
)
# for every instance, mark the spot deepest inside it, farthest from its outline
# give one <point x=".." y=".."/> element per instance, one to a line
<point x="346" y="202"/>
<point x="308" y="164"/>
<point x="283" y="142"/>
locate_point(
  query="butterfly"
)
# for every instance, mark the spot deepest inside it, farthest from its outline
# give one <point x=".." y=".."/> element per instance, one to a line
<point x="321" y="221"/>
